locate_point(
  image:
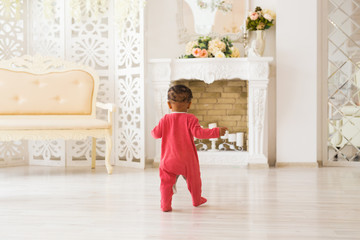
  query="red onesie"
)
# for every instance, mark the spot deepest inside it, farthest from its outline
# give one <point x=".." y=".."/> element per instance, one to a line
<point x="179" y="155"/>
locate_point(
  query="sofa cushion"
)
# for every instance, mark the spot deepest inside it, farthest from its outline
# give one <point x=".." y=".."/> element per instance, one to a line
<point x="52" y="123"/>
<point x="56" y="93"/>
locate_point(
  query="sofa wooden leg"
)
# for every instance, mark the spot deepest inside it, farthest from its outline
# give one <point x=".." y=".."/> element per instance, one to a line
<point x="93" y="153"/>
<point x="107" y="154"/>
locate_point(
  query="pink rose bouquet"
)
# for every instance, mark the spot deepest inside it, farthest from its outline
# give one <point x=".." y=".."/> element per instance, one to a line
<point x="206" y="47"/>
<point x="260" y="19"/>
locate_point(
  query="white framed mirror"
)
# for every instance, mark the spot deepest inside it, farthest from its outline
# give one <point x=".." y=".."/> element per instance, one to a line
<point x="215" y="18"/>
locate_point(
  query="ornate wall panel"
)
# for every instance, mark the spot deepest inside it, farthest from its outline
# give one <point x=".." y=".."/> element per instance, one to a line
<point x="12" y="43"/>
<point x="87" y="32"/>
<point x="89" y="43"/>
<point x="129" y="92"/>
<point x="46" y="38"/>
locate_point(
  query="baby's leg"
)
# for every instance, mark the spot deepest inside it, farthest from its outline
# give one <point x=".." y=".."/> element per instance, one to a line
<point x="194" y="186"/>
<point x="167" y="182"/>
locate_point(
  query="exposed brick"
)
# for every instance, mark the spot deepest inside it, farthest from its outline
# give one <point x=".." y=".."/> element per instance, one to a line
<point x="223" y="106"/>
<point x="198" y="89"/>
<point x="211" y="95"/>
<point x="240" y="106"/>
<point x="241" y="100"/>
<point x="230" y="95"/>
<point x="196" y="83"/>
<point x="236" y="83"/>
<point x="222" y="102"/>
<point x="231" y="118"/>
<point x="240" y="129"/>
<point x="203" y="106"/>
<point x="197" y="112"/>
<point x="236" y="112"/>
<point x="207" y="100"/>
<point x="226" y="100"/>
<point x="242" y="124"/>
<point x="196" y="95"/>
<point x="232" y="89"/>
<point x="211" y="118"/>
<point x="214" y="89"/>
<point x="217" y="112"/>
<point x="219" y="84"/>
<point x="227" y="123"/>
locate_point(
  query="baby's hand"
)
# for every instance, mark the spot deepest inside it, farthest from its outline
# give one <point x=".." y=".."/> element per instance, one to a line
<point x="222" y="130"/>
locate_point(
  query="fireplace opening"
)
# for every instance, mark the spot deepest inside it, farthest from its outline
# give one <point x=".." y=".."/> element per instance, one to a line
<point x="222" y="102"/>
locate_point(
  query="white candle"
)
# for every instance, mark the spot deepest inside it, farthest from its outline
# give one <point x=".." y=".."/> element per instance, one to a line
<point x="232" y="137"/>
<point x="212" y="125"/>
<point x="240" y="139"/>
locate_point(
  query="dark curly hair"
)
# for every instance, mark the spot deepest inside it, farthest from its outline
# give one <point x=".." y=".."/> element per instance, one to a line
<point x="179" y="93"/>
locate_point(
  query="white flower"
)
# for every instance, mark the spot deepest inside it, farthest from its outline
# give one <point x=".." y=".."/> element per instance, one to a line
<point x="234" y="52"/>
<point x="190" y="46"/>
<point x="270" y="12"/>
<point x="268" y="17"/>
<point x="219" y="54"/>
<point x="215" y="46"/>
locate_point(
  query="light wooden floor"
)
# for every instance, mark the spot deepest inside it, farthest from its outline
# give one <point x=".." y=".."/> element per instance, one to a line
<point x="77" y="203"/>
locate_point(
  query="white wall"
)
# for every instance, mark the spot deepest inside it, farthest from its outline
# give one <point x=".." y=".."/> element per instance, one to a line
<point x="162" y="42"/>
<point x="296" y="90"/>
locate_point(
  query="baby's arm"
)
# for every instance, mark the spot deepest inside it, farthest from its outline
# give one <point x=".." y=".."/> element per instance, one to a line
<point x="157" y="131"/>
<point x="202" y="133"/>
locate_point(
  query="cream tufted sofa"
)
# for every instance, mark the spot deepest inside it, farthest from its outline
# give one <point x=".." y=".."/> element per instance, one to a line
<point x="43" y="98"/>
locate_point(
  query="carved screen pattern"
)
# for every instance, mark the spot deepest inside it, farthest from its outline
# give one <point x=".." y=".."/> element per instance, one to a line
<point x="47" y="34"/>
<point x="96" y="42"/>
<point x="130" y="94"/>
<point x="90" y="45"/>
<point x="343" y="82"/>
<point x="12" y="44"/>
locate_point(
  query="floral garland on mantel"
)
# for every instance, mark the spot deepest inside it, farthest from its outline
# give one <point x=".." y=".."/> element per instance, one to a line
<point x="206" y="47"/>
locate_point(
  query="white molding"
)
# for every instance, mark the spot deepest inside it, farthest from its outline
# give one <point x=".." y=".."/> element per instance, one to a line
<point x="223" y="158"/>
<point x="255" y="70"/>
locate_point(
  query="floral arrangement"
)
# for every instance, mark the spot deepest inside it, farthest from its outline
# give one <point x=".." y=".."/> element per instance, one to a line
<point x="260" y="19"/>
<point x="206" y="47"/>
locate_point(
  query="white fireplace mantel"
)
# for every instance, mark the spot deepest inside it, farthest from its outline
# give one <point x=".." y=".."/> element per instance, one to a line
<point x="255" y="70"/>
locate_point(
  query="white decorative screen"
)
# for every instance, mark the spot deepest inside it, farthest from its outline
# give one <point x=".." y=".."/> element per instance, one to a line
<point x="92" y="33"/>
<point x="13" y="41"/>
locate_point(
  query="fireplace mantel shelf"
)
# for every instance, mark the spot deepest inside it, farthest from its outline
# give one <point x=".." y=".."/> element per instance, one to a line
<point x="255" y="70"/>
<point x="211" y="69"/>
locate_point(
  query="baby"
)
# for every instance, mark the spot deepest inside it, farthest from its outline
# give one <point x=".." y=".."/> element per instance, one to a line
<point x="178" y="151"/>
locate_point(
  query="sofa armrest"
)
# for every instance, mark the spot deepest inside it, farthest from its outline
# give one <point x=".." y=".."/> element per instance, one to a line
<point x="107" y="106"/>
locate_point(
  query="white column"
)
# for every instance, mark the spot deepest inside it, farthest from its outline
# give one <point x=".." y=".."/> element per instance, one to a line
<point x="258" y="82"/>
